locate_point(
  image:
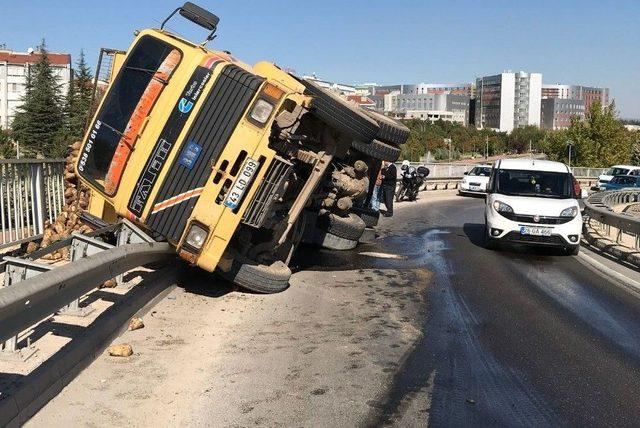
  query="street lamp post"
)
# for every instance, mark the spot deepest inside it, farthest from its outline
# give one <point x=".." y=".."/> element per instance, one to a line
<point x="570" y="146"/>
<point x="448" y="141"/>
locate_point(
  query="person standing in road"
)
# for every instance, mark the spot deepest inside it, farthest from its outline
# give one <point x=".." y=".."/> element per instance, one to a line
<point x="375" y="196"/>
<point x="388" y="186"/>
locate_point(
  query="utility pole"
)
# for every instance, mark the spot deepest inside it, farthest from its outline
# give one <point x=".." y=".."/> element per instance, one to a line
<point x="570" y="145"/>
<point x="530" y="150"/>
<point x="448" y="141"/>
<point x="486" y="147"/>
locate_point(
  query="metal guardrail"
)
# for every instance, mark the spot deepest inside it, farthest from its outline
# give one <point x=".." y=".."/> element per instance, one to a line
<point x="600" y="207"/>
<point x="31" y="192"/>
<point x="453" y="170"/>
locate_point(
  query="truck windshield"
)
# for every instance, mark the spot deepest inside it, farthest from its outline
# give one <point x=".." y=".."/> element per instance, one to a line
<point x="122" y="99"/>
<point x="534" y="183"/>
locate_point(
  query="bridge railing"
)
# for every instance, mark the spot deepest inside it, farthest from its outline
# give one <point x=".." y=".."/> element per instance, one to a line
<point x="31" y="192"/>
<point x="608" y="209"/>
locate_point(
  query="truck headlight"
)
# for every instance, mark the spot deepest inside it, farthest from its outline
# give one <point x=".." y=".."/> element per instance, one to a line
<point x="196" y="236"/>
<point x="569" y="212"/>
<point x="261" y="111"/>
<point x="501" y="207"/>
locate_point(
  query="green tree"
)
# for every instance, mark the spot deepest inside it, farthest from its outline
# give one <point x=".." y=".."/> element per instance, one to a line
<point x="78" y="103"/>
<point x="7" y="149"/>
<point x="39" y="120"/>
<point x="520" y="138"/>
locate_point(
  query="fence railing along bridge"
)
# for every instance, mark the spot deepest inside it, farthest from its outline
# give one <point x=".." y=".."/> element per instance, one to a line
<point x="31" y="192"/>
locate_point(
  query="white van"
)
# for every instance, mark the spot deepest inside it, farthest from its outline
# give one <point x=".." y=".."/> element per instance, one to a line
<point x="476" y="180"/>
<point x="534" y="202"/>
<point x="618" y="170"/>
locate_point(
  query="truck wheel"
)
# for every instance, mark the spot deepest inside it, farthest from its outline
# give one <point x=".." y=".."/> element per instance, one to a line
<point x="339" y="114"/>
<point x="378" y="150"/>
<point x="369" y="216"/>
<point x="391" y="131"/>
<point x="368" y="236"/>
<point x="350" y="227"/>
<point x="333" y="242"/>
<point x="260" y="278"/>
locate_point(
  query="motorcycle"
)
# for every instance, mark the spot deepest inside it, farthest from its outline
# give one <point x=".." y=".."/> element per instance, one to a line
<point x="412" y="179"/>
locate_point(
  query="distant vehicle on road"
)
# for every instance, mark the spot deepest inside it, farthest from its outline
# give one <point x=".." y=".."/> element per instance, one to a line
<point x="476" y="180"/>
<point x="618" y="170"/>
<point x="533" y="202"/>
<point x="621" y="182"/>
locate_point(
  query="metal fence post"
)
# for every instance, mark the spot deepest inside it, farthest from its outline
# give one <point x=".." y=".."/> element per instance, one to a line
<point x="37" y="189"/>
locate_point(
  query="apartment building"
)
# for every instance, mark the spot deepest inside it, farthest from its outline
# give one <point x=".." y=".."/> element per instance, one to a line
<point x="14" y="69"/>
<point x="556" y="113"/>
<point x="445" y="106"/>
<point x="587" y="94"/>
<point x="508" y="100"/>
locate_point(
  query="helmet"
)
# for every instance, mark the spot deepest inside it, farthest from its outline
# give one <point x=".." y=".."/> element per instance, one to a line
<point x="405" y="164"/>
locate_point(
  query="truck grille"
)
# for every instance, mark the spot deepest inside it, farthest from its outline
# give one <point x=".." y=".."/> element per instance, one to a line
<point x="270" y="190"/>
<point x="218" y="117"/>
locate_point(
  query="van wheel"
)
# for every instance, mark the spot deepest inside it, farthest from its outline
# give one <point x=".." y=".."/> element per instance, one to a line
<point x="378" y="150"/>
<point x="573" y="250"/>
<point x="260" y="278"/>
<point x="350" y="227"/>
<point x="339" y="114"/>
<point x="391" y="131"/>
<point x="489" y="242"/>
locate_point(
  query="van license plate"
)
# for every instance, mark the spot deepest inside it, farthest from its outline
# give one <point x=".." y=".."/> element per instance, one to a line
<point x="535" y="231"/>
<point x="241" y="184"/>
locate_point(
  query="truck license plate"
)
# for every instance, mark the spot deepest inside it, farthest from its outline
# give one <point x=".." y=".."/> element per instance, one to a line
<point x="241" y="184"/>
<point x="535" y="231"/>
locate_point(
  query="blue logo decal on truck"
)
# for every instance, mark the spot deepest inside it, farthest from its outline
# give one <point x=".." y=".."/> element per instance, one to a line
<point x="185" y="105"/>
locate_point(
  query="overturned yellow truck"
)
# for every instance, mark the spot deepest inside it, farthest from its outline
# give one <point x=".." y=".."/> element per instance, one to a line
<point x="233" y="165"/>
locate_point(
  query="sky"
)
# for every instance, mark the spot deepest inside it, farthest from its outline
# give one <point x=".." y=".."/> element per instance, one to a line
<point x="594" y="43"/>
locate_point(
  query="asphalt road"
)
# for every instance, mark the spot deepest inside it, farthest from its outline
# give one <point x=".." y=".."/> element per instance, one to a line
<point x="446" y="333"/>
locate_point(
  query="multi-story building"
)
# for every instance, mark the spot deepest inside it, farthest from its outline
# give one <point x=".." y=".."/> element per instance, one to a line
<point x="556" y="113"/>
<point x="14" y="69"/>
<point x="508" y="100"/>
<point x="339" y="88"/>
<point x="588" y="94"/>
<point x="452" y="107"/>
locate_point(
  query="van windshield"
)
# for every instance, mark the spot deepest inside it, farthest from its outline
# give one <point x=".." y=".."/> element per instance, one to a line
<point x="534" y="183"/>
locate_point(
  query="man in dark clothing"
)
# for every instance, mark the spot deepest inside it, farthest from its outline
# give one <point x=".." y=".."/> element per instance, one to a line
<point x="388" y="187"/>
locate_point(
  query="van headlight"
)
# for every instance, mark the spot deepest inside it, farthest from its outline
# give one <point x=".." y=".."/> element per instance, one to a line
<point x="261" y="111"/>
<point x="196" y="236"/>
<point x="501" y="207"/>
<point x="570" y="212"/>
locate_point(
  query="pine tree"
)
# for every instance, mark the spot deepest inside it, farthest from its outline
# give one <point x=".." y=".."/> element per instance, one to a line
<point x="39" y="120"/>
<point x="79" y="99"/>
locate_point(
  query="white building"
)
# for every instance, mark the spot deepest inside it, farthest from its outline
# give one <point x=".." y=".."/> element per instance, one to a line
<point x="445" y="106"/>
<point x="508" y="100"/>
<point x="14" y="69"/>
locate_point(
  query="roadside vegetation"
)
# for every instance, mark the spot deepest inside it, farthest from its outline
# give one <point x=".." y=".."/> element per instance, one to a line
<point x="600" y="140"/>
<point x="49" y="120"/>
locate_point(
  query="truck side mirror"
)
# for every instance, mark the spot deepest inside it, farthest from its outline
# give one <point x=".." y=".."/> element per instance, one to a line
<point x="198" y="16"/>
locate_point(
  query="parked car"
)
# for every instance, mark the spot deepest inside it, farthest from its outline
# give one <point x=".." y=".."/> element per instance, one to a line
<point x="533" y="202"/>
<point x="476" y="180"/>
<point x="618" y="170"/>
<point x="621" y="182"/>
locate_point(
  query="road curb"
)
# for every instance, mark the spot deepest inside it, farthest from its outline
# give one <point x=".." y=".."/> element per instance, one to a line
<point x="630" y="284"/>
<point x="606" y="245"/>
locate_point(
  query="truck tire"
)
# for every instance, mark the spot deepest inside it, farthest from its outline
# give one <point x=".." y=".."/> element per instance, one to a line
<point x="350" y="227"/>
<point x="260" y="278"/>
<point x="391" y="131"/>
<point x="368" y="237"/>
<point x="369" y="216"/>
<point x="378" y="150"/>
<point x="339" y="114"/>
<point x="334" y="242"/>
